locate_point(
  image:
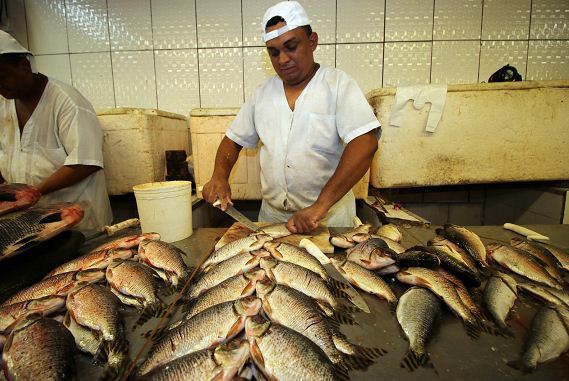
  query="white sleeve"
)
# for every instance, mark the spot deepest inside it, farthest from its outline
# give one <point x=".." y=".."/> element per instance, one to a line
<point x="242" y="131"/>
<point x="354" y="115"/>
<point x="81" y="135"/>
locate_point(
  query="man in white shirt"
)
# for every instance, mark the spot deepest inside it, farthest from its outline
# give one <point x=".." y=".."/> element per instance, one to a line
<point x="50" y="137"/>
<point x="303" y="117"/>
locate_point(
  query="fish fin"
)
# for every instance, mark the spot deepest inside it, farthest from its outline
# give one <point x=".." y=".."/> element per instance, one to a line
<point x="337" y="293"/>
<point x="52" y="217"/>
<point x="336" y="284"/>
<point x="120" y="372"/>
<point x="256" y="354"/>
<point x="350" y="362"/>
<point x="186" y="304"/>
<point x="412" y="361"/>
<point x="252" y="261"/>
<point x="340" y="374"/>
<point x="472" y="330"/>
<point x="235" y="328"/>
<point x="149" y="312"/>
<point x="248" y="289"/>
<point x="343" y="318"/>
<point x="519" y="364"/>
<point x="155" y="334"/>
<point x="369" y="352"/>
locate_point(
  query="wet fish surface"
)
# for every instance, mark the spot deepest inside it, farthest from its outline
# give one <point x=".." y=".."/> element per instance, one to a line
<point x="278" y="230"/>
<point x="467" y="240"/>
<point x="128" y="242"/>
<point x="352" y="237"/>
<point x="133" y="283"/>
<point x="94" y="260"/>
<point x="390" y="231"/>
<point x="500" y="296"/>
<point x="22" y="230"/>
<point x="299" y="256"/>
<point x="544" y="256"/>
<point x="17" y="196"/>
<point x="42" y="306"/>
<point x="418" y="313"/>
<point x="372" y="254"/>
<point x="239" y="246"/>
<point x="560" y="254"/>
<point x="547" y="294"/>
<point x="39" y="349"/>
<point x="165" y="259"/>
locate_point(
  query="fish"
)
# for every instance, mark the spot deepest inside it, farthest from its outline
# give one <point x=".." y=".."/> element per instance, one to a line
<point x="547" y="294"/>
<point x="548" y="339"/>
<point x="365" y="280"/>
<point x="301" y="313"/>
<point x="560" y="254"/>
<point x="283" y="354"/>
<point x="549" y="261"/>
<point x="39" y="349"/>
<point x="393" y="245"/>
<point x="500" y="295"/>
<point x="133" y="283"/>
<point x="389" y="231"/>
<point x="128" y="242"/>
<point x="372" y="254"/>
<point x="165" y="259"/>
<point x="94" y="260"/>
<point x="418" y="313"/>
<point x="221" y="363"/>
<point x="439" y="285"/>
<point x="60" y="284"/>
<point x="391" y="269"/>
<point x="419" y="258"/>
<point x="453" y="249"/>
<point x="468" y="241"/>
<point x="224" y="270"/>
<point x="453" y="262"/>
<point x="25" y="229"/>
<point x="86" y="340"/>
<point x="208" y="329"/>
<point x="299" y="256"/>
<point x="40" y="307"/>
<point x="230" y="289"/>
<point x="463" y="294"/>
<point x="301" y="279"/>
<point x="522" y="263"/>
<point x="278" y="230"/>
<point x="17" y="196"/>
<point x="352" y="237"/>
<point x="239" y="246"/>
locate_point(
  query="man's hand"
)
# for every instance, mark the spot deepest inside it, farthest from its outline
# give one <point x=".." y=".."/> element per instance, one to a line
<point x="217" y="189"/>
<point x="307" y="219"/>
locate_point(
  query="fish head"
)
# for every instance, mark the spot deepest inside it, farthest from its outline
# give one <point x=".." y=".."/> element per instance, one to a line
<point x="360" y="237"/>
<point x="492" y="246"/>
<point x="263" y="238"/>
<point x="256" y="326"/>
<point x="255" y="274"/>
<point x="517" y="241"/>
<point x="248" y="306"/>
<point x="90" y="275"/>
<point x="268" y="263"/>
<point x="264" y="287"/>
<point x="232" y="355"/>
<point x="47" y="304"/>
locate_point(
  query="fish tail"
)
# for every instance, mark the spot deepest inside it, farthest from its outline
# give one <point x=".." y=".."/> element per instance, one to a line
<point x="413" y="360"/>
<point x="340" y="373"/>
<point x="155" y="334"/>
<point x="158" y="310"/>
<point x="520" y="365"/>
<point x="472" y="330"/>
<point x="337" y="285"/>
<point x="369" y="352"/>
<point x="343" y="318"/>
<point x="118" y="373"/>
<point x="351" y="362"/>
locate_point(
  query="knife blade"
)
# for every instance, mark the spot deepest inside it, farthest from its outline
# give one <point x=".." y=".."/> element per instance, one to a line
<point x="353" y="295"/>
<point x="237" y="216"/>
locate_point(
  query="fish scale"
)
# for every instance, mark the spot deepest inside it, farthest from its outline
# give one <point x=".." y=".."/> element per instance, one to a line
<point x="294" y="254"/>
<point x="17" y="196"/>
<point x="133" y="283"/>
<point x="96" y="259"/>
<point x="44" y="306"/>
<point x="165" y="259"/>
<point x="499" y="296"/>
<point x="22" y="230"/>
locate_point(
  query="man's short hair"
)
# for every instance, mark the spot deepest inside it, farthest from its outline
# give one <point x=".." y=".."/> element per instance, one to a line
<point x="12" y="58"/>
<point x="277" y="19"/>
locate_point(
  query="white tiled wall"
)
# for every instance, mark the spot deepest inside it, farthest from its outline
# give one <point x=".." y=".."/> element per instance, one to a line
<point x="180" y="54"/>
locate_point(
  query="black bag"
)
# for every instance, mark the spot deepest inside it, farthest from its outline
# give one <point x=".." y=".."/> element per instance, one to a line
<point x="506" y="74"/>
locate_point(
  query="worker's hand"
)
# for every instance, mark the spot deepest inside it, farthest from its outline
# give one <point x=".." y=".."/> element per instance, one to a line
<point x="217" y="189"/>
<point x="307" y="219"/>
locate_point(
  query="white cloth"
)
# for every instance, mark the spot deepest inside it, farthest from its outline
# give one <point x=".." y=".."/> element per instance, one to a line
<point x="62" y="130"/>
<point x="9" y="45"/>
<point x="434" y="94"/>
<point x="292" y="13"/>
<point x="300" y="150"/>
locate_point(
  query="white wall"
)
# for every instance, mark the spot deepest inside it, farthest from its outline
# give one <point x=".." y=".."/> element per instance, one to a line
<point x="180" y="54"/>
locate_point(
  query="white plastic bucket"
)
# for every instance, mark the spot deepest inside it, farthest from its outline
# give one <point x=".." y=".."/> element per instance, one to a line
<point x="165" y="208"/>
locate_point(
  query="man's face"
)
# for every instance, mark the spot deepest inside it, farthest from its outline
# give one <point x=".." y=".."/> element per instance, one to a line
<point x="15" y="78"/>
<point x="292" y="54"/>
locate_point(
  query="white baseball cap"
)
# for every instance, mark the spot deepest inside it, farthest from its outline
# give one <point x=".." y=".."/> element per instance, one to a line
<point x="292" y="13"/>
<point x="9" y="45"/>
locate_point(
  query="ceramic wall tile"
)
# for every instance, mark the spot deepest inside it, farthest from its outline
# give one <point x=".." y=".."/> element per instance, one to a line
<point x="361" y="22"/>
<point x="409" y="20"/>
<point x="174" y="24"/>
<point x="549" y="19"/>
<point x="253" y="11"/>
<point x="457" y="19"/>
<point x="221" y="77"/>
<point x="548" y="60"/>
<point x="93" y="77"/>
<point x="87" y="25"/>
<point x="258" y="68"/>
<point x="406" y="63"/>
<point x="322" y="15"/>
<point x="47" y="33"/>
<point x="15" y="22"/>
<point x="177" y="80"/>
<point x="55" y="66"/>
<point x="219" y="23"/>
<point x="135" y="83"/>
<point x="506" y="19"/>
<point x="326" y="55"/>
<point x="455" y="62"/>
<point x="363" y="62"/>
<point x="130" y="26"/>
<point x="496" y="54"/>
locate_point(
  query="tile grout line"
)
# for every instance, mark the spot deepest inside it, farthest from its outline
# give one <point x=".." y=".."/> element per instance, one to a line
<point x="480" y="45"/>
<point x="153" y="55"/>
<point x="384" y="44"/>
<point x="432" y="42"/>
<point x="111" y="54"/>
<point x="67" y="38"/>
<point x="529" y="38"/>
<point x="198" y="53"/>
<point x="243" y="53"/>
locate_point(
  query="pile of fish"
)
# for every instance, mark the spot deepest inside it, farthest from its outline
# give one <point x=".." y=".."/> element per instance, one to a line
<point x="16" y="197"/>
<point x="86" y="298"/>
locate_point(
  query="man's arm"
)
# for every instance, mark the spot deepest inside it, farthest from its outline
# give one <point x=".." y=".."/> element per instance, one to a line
<point x="66" y="176"/>
<point x="2" y="181"/>
<point x="354" y="163"/>
<point x="218" y="186"/>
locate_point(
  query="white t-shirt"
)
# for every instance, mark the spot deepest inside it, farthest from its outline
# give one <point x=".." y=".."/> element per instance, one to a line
<point x="301" y="149"/>
<point x="62" y="130"/>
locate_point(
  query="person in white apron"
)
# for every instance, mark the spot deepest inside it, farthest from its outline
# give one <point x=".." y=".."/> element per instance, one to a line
<point x="317" y="131"/>
<point x="50" y="137"/>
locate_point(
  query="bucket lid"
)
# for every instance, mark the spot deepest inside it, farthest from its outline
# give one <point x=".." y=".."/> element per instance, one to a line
<point x="162" y="185"/>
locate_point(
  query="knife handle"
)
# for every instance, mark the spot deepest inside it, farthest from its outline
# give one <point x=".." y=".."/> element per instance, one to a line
<point x="529" y="234"/>
<point x="113" y="229"/>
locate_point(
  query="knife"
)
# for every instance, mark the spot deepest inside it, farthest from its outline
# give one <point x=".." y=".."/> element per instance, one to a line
<point x="353" y="295"/>
<point x="237" y="216"/>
